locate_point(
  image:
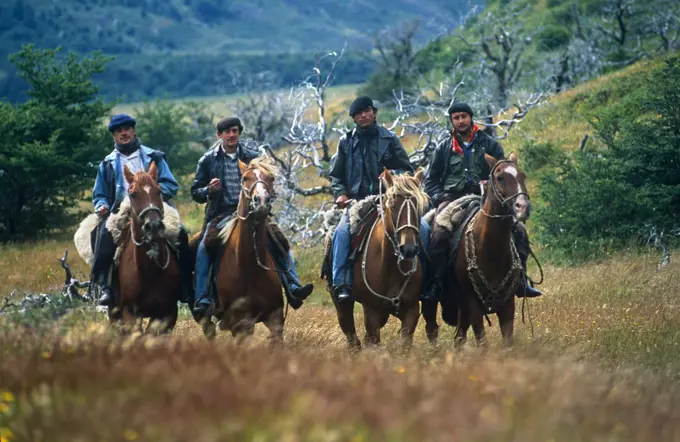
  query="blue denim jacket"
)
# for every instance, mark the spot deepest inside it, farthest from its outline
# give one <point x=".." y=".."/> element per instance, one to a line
<point x="109" y="189"/>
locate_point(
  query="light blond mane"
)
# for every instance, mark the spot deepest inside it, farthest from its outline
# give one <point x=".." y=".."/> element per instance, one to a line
<point x="407" y="186"/>
<point x="265" y="166"/>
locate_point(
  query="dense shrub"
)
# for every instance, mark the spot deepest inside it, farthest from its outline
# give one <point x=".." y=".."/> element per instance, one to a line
<point x="614" y="194"/>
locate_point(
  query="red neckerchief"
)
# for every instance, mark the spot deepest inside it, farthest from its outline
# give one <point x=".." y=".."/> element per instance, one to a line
<point x="454" y="143"/>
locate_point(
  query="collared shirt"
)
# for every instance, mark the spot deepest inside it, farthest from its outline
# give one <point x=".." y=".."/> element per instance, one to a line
<point x="133" y="162"/>
<point x="231" y="179"/>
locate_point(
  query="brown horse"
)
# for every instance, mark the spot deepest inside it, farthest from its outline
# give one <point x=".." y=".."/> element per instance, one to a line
<point x="248" y="285"/>
<point x="487" y="268"/>
<point x="148" y="274"/>
<point x="388" y="276"/>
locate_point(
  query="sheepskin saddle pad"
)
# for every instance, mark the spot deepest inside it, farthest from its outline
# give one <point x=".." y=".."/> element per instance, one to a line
<point x="116" y="224"/>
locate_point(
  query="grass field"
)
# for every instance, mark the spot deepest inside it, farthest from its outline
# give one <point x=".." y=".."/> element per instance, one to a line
<point x="595" y="360"/>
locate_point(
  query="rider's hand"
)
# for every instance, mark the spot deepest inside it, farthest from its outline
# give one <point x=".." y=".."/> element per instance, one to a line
<point x="215" y="185"/>
<point x="103" y="211"/>
<point x="341" y="201"/>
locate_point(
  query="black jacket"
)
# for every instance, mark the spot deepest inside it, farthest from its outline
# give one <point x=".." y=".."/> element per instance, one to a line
<point x="346" y="176"/>
<point x="439" y="170"/>
<point x="209" y="167"/>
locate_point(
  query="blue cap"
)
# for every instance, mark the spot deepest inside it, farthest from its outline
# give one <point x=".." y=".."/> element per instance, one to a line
<point x="121" y="120"/>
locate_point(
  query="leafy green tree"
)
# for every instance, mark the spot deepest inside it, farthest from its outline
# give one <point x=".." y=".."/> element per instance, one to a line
<point x="178" y="129"/>
<point x="52" y="143"/>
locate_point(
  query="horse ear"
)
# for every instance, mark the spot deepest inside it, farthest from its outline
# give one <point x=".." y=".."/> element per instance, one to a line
<point x="420" y="174"/>
<point x="153" y="171"/>
<point x="242" y="166"/>
<point x="513" y="158"/>
<point x="387" y="176"/>
<point x="129" y="176"/>
<point x="491" y="161"/>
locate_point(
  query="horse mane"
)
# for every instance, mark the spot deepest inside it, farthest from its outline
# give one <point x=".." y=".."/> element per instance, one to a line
<point x="265" y="166"/>
<point x="408" y="186"/>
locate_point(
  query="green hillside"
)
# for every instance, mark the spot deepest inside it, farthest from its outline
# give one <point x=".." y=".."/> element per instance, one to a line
<point x="189" y="47"/>
<point x="573" y="40"/>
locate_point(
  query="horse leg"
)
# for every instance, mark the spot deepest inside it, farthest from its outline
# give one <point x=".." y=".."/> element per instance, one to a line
<point x="345" y="313"/>
<point x="409" y="321"/>
<point x="274" y="322"/>
<point x="506" y="320"/>
<point x="463" y="325"/>
<point x="429" y="312"/>
<point x="477" y="321"/>
<point x="163" y="323"/>
<point x="373" y="320"/>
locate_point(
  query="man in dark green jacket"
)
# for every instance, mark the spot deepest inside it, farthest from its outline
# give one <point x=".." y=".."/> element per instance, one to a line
<point x="456" y="170"/>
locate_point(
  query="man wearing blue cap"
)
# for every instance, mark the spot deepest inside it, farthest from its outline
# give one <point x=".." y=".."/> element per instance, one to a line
<point x="110" y="189"/>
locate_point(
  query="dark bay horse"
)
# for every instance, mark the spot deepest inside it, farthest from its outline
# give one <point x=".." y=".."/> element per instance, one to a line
<point x="148" y="273"/>
<point x="248" y="285"/>
<point x="388" y="275"/>
<point x="487" y="270"/>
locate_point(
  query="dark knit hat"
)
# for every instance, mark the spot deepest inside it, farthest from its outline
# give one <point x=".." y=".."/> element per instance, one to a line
<point x="460" y="106"/>
<point x="360" y="104"/>
<point x="121" y="120"/>
<point x="229" y="122"/>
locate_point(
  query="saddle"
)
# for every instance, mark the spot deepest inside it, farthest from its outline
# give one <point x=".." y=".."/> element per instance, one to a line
<point x="84" y="238"/>
<point x="362" y="216"/>
<point x="218" y="236"/>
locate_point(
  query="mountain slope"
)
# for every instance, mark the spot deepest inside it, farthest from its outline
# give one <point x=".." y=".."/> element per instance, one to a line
<point x="178" y="48"/>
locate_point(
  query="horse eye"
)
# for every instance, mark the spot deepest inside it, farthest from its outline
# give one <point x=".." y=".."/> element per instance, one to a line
<point x="500" y="177"/>
<point x="133" y="195"/>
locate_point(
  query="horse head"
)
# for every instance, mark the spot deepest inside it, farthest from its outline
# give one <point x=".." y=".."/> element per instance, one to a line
<point x="507" y="184"/>
<point x="404" y="205"/>
<point x="257" y="188"/>
<point x="146" y="201"/>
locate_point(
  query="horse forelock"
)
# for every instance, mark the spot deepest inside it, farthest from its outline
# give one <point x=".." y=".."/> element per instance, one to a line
<point x="407" y="186"/>
<point x="142" y="180"/>
<point x="268" y="169"/>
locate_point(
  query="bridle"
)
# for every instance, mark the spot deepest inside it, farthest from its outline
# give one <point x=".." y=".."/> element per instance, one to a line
<point x="247" y="193"/>
<point x="152" y="253"/>
<point x="407" y="205"/>
<point x="494" y="189"/>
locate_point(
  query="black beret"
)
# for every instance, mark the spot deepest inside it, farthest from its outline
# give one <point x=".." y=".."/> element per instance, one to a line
<point x="460" y="106"/>
<point x="360" y="104"/>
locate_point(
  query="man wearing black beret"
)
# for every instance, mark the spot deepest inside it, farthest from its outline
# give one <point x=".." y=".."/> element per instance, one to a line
<point x="456" y="169"/>
<point x="362" y="155"/>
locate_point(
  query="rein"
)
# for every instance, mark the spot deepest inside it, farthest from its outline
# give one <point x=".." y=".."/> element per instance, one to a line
<point x="247" y="194"/>
<point x="408" y="204"/>
<point x="494" y="189"/>
<point x="152" y="252"/>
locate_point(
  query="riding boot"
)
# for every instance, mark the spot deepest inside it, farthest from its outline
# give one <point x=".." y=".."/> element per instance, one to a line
<point x="186" y="266"/>
<point x="102" y="265"/>
<point x="523" y="247"/>
<point x="439" y="260"/>
<point x="295" y="292"/>
<point x="342" y="268"/>
<point x="203" y="300"/>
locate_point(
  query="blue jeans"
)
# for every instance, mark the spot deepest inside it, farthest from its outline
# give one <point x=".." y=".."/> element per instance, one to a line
<point x="342" y="270"/>
<point x="285" y="264"/>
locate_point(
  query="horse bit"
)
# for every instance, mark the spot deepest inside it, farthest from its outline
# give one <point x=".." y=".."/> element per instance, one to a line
<point x="471" y="256"/>
<point x="408" y="204"/>
<point x="152" y="253"/>
<point x="247" y="194"/>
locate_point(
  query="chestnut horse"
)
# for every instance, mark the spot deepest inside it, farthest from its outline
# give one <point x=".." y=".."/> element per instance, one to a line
<point x="248" y="285"/>
<point x="487" y="268"/>
<point x="388" y="276"/>
<point x="148" y="273"/>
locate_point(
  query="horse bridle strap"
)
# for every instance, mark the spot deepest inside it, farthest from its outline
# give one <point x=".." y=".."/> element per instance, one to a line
<point x="248" y="194"/>
<point x="494" y="188"/>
